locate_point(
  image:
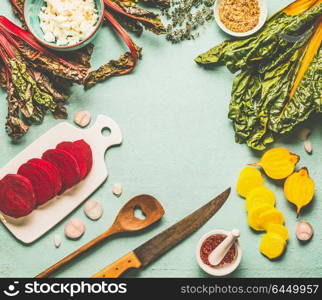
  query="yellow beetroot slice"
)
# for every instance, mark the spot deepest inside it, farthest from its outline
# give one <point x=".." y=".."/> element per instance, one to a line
<point x="67" y="166"/>
<point x="43" y="188"/>
<point x="87" y="153"/>
<point x="78" y="153"/>
<point x="51" y="170"/>
<point x="272" y="245"/>
<point x="249" y="178"/>
<point x="17" y="198"/>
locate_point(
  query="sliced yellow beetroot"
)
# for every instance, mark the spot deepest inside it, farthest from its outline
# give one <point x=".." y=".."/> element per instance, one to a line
<point x="67" y="166"/>
<point x="51" y="170"/>
<point x="41" y="183"/>
<point x="87" y="153"/>
<point x="17" y="198"/>
<point x="78" y="153"/>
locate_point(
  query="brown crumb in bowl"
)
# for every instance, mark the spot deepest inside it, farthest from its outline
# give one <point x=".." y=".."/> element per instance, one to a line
<point x="239" y="15"/>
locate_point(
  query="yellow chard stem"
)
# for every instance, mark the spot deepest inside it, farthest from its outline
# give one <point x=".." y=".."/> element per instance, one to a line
<point x="300" y="6"/>
<point x="311" y="50"/>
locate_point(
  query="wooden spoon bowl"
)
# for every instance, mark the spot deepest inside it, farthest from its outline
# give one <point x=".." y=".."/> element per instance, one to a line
<point x="150" y="207"/>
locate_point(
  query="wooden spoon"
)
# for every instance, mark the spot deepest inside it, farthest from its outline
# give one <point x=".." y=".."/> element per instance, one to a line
<point x="124" y="222"/>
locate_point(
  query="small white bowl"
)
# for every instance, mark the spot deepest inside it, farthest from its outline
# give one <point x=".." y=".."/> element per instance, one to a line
<point x="262" y="20"/>
<point x="220" y="270"/>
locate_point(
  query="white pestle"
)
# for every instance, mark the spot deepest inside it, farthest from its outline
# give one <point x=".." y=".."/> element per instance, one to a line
<point x="217" y="255"/>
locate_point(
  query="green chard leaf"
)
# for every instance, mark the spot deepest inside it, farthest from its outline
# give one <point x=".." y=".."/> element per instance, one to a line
<point x="15" y="126"/>
<point x="18" y="7"/>
<point x="150" y="21"/>
<point x="247" y="52"/>
<point x="258" y="98"/>
<point x="317" y="77"/>
<point x="80" y="57"/>
<point x="249" y="111"/>
<point x="77" y="73"/>
<point x="306" y="100"/>
<point x="27" y="90"/>
<point x="3" y="80"/>
<point x="268" y="62"/>
<point x="129" y="24"/>
<point x="157" y="3"/>
<point x="30" y="94"/>
<point x="47" y="85"/>
<point x="123" y="65"/>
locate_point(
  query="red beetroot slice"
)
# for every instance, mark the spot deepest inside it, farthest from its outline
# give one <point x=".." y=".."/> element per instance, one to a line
<point x="51" y="170"/>
<point x="78" y="153"/>
<point x="17" y="198"/>
<point x="86" y="149"/>
<point x="67" y="166"/>
<point x="43" y="188"/>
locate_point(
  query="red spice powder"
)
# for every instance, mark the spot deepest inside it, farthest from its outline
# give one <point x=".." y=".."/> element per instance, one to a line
<point x="210" y="244"/>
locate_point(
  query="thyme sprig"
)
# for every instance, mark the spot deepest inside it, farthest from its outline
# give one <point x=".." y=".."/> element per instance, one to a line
<point x="186" y="17"/>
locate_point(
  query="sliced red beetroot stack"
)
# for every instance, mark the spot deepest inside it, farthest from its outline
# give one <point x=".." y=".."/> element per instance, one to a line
<point x="39" y="180"/>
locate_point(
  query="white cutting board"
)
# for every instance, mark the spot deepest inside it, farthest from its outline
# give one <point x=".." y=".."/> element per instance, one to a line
<point x="30" y="228"/>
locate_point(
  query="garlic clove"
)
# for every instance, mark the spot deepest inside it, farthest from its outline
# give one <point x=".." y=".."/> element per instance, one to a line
<point x="74" y="228"/>
<point x="82" y="118"/>
<point x="93" y="209"/>
<point x="57" y="240"/>
<point x="117" y="190"/>
<point x="304" y="231"/>
<point x="308" y="147"/>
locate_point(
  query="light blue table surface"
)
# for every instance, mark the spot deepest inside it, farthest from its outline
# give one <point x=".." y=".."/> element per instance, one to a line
<point x="178" y="146"/>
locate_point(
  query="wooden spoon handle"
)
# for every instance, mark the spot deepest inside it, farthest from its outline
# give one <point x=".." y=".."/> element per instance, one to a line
<point x="117" y="268"/>
<point x="76" y="253"/>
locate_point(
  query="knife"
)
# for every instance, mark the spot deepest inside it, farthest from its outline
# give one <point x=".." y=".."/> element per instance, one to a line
<point x="161" y="243"/>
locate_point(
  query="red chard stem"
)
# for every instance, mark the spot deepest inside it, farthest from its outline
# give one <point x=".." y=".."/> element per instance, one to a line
<point x="28" y="38"/>
<point x="7" y="47"/>
<point x="122" y="33"/>
<point x="121" y="11"/>
<point x="16" y="6"/>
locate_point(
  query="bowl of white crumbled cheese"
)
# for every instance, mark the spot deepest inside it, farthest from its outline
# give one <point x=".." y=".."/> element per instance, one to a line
<point x="64" y="25"/>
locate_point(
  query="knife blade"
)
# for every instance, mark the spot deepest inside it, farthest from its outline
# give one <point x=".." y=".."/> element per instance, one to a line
<point x="161" y="243"/>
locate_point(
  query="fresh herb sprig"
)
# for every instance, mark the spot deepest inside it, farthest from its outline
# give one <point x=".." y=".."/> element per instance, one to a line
<point x="186" y="17"/>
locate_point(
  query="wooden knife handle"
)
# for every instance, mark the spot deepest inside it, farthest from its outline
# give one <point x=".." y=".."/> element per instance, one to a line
<point x="116" y="269"/>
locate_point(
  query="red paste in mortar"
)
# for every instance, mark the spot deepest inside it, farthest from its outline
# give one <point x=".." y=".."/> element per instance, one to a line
<point x="210" y="244"/>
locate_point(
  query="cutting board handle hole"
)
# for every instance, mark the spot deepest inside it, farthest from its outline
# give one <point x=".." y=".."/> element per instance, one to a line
<point x="106" y="131"/>
<point x="138" y="213"/>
